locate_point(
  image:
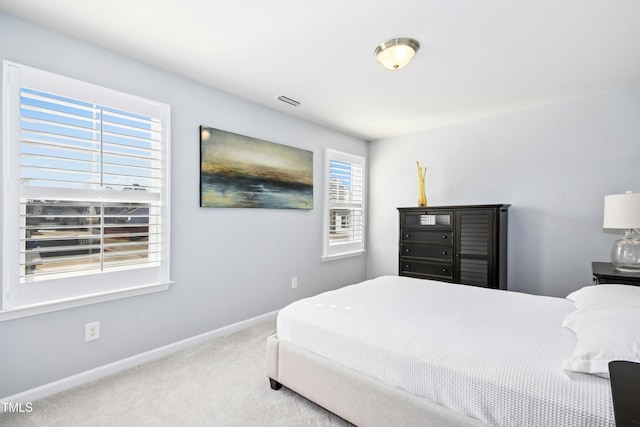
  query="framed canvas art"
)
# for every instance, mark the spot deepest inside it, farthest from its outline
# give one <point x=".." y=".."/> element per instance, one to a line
<point x="238" y="171"/>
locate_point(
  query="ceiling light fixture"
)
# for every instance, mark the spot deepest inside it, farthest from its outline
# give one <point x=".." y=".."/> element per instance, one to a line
<point x="396" y="53"/>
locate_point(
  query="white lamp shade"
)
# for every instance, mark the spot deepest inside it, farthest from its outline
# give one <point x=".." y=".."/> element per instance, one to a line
<point x="622" y="211"/>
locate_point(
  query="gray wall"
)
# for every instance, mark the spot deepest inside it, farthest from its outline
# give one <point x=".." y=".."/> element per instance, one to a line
<point x="228" y="264"/>
<point x="554" y="164"/>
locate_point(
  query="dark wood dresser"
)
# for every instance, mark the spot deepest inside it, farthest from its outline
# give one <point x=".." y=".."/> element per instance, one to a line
<point x="458" y="244"/>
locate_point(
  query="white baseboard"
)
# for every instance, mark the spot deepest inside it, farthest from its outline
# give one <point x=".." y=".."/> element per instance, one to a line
<point x="130" y="362"/>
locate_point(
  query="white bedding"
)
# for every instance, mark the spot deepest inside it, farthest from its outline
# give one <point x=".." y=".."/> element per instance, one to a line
<point x="493" y="355"/>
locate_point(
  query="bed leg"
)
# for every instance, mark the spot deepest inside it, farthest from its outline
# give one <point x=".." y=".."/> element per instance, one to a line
<point x="275" y="385"/>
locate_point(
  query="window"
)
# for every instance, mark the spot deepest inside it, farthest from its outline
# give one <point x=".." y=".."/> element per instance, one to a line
<point x="86" y="190"/>
<point x="344" y="205"/>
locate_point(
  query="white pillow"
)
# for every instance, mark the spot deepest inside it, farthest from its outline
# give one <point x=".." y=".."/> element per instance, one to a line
<point x="604" y="334"/>
<point x="605" y="295"/>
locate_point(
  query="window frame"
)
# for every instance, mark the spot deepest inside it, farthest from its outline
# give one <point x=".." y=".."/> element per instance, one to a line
<point x="34" y="297"/>
<point x="331" y="251"/>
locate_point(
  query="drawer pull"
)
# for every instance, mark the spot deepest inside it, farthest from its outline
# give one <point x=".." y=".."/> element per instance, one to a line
<point x="444" y="236"/>
<point x="407" y="266"/>
<point x="407" y="251"/>
<point x="407" y="235"/>
<point x="444" y="252"/>
<point x="444" y="270"/>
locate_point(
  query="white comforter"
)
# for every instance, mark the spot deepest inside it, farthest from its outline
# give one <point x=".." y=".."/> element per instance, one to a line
<point x="490" y="354"/>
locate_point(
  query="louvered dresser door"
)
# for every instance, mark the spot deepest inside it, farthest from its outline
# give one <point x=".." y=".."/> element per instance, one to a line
<point x="474" y="239"/>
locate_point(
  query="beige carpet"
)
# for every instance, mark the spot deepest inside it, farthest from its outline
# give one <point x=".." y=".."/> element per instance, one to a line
<point x="218" y="383"/>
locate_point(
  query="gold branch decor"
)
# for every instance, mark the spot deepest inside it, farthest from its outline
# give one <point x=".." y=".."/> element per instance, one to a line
<point x="422" y="196"/>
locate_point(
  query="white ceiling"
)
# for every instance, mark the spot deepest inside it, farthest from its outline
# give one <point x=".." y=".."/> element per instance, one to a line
<point x="477" y="57"/>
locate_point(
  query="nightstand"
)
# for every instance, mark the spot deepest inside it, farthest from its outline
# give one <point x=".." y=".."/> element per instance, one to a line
<point x="606" y="273"/>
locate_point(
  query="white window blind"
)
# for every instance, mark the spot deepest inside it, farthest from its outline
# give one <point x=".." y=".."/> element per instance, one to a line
<point x="345" y="204"/>
<point x="86" y="187"/>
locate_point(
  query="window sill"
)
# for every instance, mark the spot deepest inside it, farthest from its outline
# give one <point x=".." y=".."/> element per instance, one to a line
<point x="342" y="255"/>
<point x="33" y="310"/>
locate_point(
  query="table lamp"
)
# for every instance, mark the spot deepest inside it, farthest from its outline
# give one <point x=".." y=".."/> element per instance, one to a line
<point x="622" y="211"/>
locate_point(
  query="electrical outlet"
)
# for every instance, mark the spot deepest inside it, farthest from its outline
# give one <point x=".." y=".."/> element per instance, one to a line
<point x="91" y="331"/>
<point x="294" y="282"/>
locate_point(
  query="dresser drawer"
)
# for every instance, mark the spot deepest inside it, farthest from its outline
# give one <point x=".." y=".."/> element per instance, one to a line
<point x="428" y="219"/>
<point x="427" y="236"/>
<point x="431" y="269"/>
<point x="435" y="252"/>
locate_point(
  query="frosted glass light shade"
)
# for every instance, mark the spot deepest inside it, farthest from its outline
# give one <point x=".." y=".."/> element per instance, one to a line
<point x="396" y="53"/>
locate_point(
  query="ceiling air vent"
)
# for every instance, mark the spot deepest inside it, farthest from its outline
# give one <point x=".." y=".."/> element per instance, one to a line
<point x="289" y="101"/>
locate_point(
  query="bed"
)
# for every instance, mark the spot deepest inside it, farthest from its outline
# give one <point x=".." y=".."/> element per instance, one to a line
<point x="403" y="351"/>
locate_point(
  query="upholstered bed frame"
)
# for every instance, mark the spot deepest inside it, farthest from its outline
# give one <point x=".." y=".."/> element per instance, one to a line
<point x="355" y="397"/>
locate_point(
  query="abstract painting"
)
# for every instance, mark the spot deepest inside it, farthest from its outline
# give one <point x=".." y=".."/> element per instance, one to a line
<point x="238" y="171"/>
